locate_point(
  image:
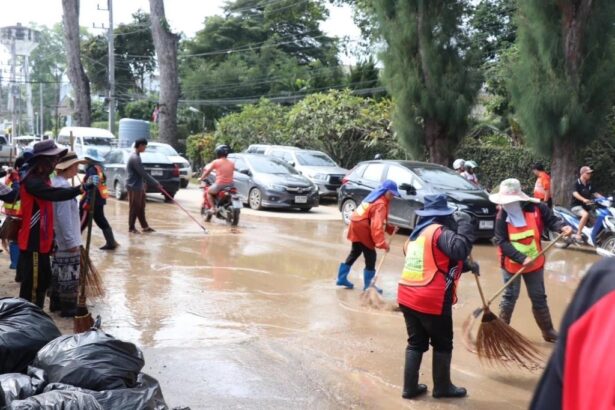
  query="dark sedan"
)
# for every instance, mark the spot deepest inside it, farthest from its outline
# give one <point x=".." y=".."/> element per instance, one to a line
<point x="157" y="165"/>
<point x="264" y="182"/>
<point x="415" y="180"/>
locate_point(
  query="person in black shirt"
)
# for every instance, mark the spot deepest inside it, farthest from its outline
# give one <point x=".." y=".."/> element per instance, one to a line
<point x="582" y="196"/>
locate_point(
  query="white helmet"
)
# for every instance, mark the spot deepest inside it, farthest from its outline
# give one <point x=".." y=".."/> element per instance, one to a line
<point x="458" y="164"/>
<point x="471" y="164"/>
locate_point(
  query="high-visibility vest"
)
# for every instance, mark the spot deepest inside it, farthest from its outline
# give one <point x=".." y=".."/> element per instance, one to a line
<point x="12" y="208"/>
<point x="44" y="217"/>
<point x="526" y="240"/>
<point x="426" y="273"/>
<point x="102" y="188"/>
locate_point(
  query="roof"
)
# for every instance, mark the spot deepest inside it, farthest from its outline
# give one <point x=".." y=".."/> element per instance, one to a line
<point x="407" y="164"/>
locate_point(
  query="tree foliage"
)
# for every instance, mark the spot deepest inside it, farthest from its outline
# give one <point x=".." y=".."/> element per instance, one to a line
<point x="493" y="27"/>
<point x="430" y="72"/>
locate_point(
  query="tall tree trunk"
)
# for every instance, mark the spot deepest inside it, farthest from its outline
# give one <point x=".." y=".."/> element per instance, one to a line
<point x="166" y="43"/>
<point x="564" y="169"/>
<point x="76" y="74"/>
<point x="436" y="142"/>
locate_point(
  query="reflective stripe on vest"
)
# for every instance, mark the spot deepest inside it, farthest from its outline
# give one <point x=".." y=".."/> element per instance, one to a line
<point x="12" y="209"/>
<point x="526" y="240"/>
<point x="420" y="266"/>
<point x="102" y="188"/>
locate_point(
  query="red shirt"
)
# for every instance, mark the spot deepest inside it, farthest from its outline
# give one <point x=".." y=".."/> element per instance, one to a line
<point x="224" y="168"/>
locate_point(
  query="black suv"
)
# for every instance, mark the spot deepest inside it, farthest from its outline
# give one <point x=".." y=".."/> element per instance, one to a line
<point x="415" y="180"/>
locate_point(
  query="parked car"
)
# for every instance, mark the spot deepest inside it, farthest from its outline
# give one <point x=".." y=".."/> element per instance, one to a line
<point x="7" y="152"/>
<point x="86" y="138"/>
<point x="317" y="166"/>
<point x="264" y="182"/>
<point x="415" y="180"/>
<point x="157" y="165"/>
<point x="185" y="169"/>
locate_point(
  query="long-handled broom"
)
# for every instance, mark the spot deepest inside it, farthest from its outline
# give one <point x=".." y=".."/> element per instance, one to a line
<point x="370" y="296"/>
<point x="496" y="341"/>
<point x="165" y="193"/>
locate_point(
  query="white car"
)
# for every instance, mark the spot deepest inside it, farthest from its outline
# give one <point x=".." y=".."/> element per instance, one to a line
<point x="185" y="169"/>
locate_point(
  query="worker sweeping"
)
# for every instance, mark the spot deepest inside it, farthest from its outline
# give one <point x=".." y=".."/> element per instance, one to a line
<point x="436" y="254"/>
<point x="368" y="224"/>
<point x="519" y="227"/>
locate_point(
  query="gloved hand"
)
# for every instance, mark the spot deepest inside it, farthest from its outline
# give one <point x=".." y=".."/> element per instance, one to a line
<point x="474" y="267"/>
<point x="461" y="217"/>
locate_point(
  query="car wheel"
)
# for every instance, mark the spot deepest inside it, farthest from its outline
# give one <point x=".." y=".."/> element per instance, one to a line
<point x="348" y="207"/>
<point x="183" y="183"/>
<point x="255" y="199"/>
<point x="117" y="191"/>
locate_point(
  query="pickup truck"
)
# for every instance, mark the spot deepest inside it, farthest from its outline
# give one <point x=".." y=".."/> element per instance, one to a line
<point x="7" y="154"/>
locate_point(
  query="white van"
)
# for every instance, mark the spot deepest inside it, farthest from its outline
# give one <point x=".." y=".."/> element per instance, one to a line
<point x="87" y="139"/>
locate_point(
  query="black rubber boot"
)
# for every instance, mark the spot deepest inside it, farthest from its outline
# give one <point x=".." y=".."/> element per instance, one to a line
<point x="442" y="377"/>
<point x="110" y="240"/>
<point x="412" y="388"/>
<point x="506" y="314"/>
<point x="543" y="319"/>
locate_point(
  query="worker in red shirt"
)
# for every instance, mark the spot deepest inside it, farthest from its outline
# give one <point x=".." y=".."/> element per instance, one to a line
<point x="224" y="168"/>
<point x="368" y="224"/>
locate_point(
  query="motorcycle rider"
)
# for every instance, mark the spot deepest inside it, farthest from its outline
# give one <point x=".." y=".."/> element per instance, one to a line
<point x="459" y="165"/>
<point x="469" y="173"/>
<point x="224" y="168"/>
<point x="582" y="197"/>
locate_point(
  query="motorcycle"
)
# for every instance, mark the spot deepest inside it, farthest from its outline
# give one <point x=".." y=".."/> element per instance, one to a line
<point x="599" y="233"/>
<point x="228" y="204"/>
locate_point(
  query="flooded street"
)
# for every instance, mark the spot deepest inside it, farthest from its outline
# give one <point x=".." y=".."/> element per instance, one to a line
<point x="251" y="317"/>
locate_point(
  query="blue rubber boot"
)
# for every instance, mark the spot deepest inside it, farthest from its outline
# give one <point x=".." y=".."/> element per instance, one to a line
<point x="342" y="276"/>
<point x="14" y="254"/>
<point x="368" y="275"/>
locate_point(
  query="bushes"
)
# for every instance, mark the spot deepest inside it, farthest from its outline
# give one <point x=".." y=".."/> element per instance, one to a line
<point x="200" y="149"/>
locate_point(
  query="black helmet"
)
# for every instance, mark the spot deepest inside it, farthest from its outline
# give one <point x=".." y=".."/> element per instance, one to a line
<point x="222" y="150"/>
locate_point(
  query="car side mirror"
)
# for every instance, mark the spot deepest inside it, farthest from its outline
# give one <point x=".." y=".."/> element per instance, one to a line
<point x="245" y="171"/>
<point x="410" y="190"/>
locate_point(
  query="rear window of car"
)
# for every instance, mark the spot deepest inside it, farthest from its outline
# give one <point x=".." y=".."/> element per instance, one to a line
<point x="373" y="172"/>
<point x="443" y="178"/>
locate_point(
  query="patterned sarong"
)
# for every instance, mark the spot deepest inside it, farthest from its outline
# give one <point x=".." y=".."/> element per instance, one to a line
<point x="65" y="268"/>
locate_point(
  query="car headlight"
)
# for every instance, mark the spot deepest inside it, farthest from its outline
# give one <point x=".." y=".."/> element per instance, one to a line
<point x="274" y="187"/>
<point x="457" y="205"/>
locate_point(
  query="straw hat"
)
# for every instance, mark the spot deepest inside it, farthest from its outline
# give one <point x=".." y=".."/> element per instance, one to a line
<point x="68" y="160"/>
<point x="509" y="192"/>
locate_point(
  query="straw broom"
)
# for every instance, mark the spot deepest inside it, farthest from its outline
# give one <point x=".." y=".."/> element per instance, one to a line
<point x="370" y="296"/>
<point x="497" y="342"/>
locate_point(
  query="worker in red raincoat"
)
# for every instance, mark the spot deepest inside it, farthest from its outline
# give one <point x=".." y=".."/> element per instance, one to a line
<point x="368" y="224"/>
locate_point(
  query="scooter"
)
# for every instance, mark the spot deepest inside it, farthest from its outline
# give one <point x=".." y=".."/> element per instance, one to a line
<point x="600" y="235"/>
<point x="228" y="204"/>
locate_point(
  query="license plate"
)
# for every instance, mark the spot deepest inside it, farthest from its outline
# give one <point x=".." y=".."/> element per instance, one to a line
<point x="237" y="204"/>
<point x="485" y="225"/>
<point x="157" y="172"/>
<point x="301" y="199"/>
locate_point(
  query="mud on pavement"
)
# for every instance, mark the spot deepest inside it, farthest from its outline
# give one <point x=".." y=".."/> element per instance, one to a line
<point x="250" y="317"/>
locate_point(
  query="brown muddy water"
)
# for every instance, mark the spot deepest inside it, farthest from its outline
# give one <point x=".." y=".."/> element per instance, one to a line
<point x="251" y="318"/>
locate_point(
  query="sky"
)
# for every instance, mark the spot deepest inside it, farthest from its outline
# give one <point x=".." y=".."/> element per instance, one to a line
<point x="184" y="15"/>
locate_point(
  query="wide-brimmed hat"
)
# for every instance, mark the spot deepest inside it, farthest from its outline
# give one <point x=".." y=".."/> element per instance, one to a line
<point x="509" y="192"/>
<point x="68" y="160"/>
<point x="93" y="155"/>
<point x="47" y="148"/>
<point x="435" y="205"/>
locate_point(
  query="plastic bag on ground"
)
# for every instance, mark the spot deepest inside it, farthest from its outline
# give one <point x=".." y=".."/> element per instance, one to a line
<point x="91" y="360"/>
<point x="57" y="400"/>
<point x="24" y="330"/>
<point x="146" y="395"/>
<point x="17" y="386"/>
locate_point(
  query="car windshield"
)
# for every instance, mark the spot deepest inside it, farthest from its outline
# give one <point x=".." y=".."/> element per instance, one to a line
<point x="270" y="166"/>
<point x="98" y="141"/>
<point x="162" y="149"/>
<point x="315" y="159"/>
<point x="443" y="179"/>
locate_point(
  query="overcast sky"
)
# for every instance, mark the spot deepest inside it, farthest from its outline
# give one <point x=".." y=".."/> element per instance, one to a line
<point x="184" y="15"/>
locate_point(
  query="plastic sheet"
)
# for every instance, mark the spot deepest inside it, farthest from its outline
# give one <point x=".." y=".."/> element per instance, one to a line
<point x="17" y="386"/>
<point x="24" y="330"/>
<point x="146" y="395"/>
<point x="57" y="400"/>
<point x="91" y="360"/>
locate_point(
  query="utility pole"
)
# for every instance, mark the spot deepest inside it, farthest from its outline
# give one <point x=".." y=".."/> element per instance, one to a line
<point x="41" y="110"/>
<point x="111" y="63"/>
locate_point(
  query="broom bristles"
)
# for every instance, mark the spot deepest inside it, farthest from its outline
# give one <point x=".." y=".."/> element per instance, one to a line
<point x="93" y="280"/>
<point x="498" y="343"/>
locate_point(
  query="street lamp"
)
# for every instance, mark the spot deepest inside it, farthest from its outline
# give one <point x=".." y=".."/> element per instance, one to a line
<point x="196" y="110"/>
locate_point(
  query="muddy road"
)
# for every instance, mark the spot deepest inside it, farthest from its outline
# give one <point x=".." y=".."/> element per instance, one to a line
<point x="251" y="318"/>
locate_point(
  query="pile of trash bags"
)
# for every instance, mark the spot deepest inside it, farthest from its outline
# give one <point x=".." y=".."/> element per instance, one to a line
<point x="40" y="369"/>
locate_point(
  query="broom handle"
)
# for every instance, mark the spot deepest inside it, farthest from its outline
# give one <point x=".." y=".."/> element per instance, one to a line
<point x="480" y="288"/>
<point x="84" y="270"/>
<point x="379" y="267"/>
<point x="523" y="268"/>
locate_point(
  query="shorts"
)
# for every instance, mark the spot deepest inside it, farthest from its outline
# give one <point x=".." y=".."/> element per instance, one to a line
<point x="215" y="188"/>
<point x="578" y="210"/>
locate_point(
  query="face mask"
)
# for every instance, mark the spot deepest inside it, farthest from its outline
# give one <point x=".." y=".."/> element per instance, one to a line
<point x="515" y="214"/>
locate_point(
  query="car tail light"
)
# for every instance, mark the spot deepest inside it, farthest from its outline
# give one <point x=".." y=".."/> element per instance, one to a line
<point x="233" y="190"/>
<point x="175" y="170"/>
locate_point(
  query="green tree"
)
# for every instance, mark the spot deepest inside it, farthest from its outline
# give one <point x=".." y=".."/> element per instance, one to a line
<point x="562" y="84"/>
<point x="493" y="27"/>
<point x="430" y="72"/>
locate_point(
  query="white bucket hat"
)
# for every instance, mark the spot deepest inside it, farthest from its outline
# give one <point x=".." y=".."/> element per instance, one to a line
<point x="509" y="192"/>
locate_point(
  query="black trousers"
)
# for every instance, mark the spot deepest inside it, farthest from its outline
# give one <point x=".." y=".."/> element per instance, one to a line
<point x="357" y="249"/>
<point x="34" y="269"/>
<point x="424" y="328"/>
<point x="99" y="216"/>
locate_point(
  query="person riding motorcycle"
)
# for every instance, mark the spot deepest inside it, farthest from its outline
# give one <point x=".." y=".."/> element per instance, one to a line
<point x="583" y="195"/>
<point x="224" y="168"/>
<point x="459" y="165"/>
<point x="470" y="173"/>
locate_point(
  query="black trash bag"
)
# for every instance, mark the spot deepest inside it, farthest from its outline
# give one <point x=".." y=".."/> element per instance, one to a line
<point x="91" y="360"/>
<point x="17" y="386"/>
<point x="146" y="395"/>
<point x="24" y="330"/>
<point x="57" y="400"/>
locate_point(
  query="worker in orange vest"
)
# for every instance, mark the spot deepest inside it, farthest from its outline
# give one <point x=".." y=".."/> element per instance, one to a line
<point x="542" y="188"/>
<point x="519" y="226"/>
<point x="95" y="167"/>
<point x="368" y="224"/>
<point x="436" y="254"/>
